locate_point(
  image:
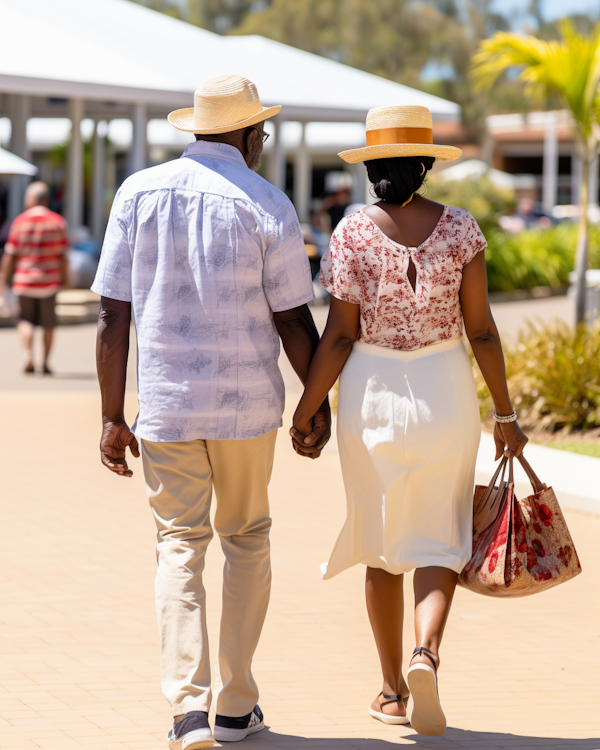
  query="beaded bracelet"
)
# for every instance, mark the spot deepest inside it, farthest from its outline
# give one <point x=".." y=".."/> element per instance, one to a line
<point x="505" y="420"/>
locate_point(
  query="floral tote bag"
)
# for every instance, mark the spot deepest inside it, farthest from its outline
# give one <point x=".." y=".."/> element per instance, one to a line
<point x="520" y="547"/>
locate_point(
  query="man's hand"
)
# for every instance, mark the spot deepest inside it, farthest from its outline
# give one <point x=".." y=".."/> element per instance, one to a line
<point x="116" y="436"/>
<point x="310" y="445"/>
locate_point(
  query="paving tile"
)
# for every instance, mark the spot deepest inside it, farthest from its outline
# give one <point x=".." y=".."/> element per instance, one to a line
<point x="79" y="642"/>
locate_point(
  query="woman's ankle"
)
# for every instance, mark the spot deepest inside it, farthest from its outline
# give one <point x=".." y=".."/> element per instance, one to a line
<point x="396" y="686"/>
<point x="426" y="654"/>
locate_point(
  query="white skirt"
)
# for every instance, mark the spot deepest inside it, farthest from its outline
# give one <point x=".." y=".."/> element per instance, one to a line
<point x="408" y="433"/>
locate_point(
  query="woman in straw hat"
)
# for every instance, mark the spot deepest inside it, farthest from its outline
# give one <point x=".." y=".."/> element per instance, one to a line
<point x="404" y="274"/>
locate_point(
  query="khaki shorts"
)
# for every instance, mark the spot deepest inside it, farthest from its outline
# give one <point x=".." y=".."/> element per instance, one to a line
<point x="38" y="311"/>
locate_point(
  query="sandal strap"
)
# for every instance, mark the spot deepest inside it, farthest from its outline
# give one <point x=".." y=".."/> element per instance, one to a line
<point x="392" y="699"/>
<point x="423" y="651"/>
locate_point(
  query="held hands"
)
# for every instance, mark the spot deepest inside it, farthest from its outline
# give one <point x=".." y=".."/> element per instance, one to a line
<point x="510" y="439"/>
<point x="116" y="436"/>
<point x="309" y="436"/>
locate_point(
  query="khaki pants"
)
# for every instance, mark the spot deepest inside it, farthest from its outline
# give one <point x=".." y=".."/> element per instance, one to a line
<point x="179" y="477"/>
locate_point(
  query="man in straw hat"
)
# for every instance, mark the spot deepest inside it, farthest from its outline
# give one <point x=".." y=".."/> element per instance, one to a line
<point x="209" y="261"/>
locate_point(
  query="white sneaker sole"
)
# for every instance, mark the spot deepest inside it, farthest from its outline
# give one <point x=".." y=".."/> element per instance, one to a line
<point x="427" y="716"/>
<point x="200" y="739"/>
<point x="387" y="719"/>
<point x="224" y="734"/>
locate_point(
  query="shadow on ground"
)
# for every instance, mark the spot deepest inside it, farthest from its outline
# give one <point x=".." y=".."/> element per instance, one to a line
<point x="455" y="739"/>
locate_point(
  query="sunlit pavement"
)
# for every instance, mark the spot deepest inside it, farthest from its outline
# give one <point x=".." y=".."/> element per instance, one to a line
<point x="78" y="637"/>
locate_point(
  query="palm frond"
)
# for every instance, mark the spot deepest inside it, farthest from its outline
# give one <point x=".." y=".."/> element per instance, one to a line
<point x="569" y="67"/>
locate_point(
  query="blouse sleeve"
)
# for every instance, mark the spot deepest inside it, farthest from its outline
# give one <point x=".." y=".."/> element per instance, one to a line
<point x="473" y="240"/>
<point x="337" y="267"/>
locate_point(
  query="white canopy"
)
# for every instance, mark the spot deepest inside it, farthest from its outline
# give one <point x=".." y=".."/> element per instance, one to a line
<point x="118" y="51"/>
<point x="12" y="164"/>
<point x="475" y="168"/>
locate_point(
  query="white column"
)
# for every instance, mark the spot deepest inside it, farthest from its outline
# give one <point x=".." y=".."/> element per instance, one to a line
<point x="550" y="166"/>
<point x="74" y="191"/>
<point x="593" y="184"/>
<point x="99" y="181"/>
<point x="20" y="108"/>
<point x="302" y="178"/>
<point x="575" y="178"/>
<point x="276" y="166"/>
<point x="137" y="153"/>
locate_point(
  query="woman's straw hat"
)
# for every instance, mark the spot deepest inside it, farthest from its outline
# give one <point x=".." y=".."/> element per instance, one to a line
<point x="400" y="131"/>
<point x="222" y="104"/>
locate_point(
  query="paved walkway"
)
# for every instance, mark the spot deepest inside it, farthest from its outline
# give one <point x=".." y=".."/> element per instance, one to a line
<point x="78" y="638"/>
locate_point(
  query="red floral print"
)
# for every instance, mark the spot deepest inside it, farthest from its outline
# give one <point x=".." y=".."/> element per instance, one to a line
<point x="545" y="514"/>
<point x="365" y="267"/>
<point x="565" y="554"/>
<point x="538" y="547"/>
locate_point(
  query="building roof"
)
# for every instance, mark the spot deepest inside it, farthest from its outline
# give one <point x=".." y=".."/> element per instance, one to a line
<point x="12" y="164"/>
<point x="119" y="51"/>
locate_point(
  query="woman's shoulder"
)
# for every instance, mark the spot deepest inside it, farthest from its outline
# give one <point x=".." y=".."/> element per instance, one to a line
<point x="354" y="230"/>
<point x="461" y="215"/>
<point x="356" y="221"/>
<point x="460" y="222"/>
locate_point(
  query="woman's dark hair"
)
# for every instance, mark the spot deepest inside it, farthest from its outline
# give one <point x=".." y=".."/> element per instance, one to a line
<point x="397" y="178"/>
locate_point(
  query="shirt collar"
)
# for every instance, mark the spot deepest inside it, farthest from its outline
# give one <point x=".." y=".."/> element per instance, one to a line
<point x="215" y="150"/>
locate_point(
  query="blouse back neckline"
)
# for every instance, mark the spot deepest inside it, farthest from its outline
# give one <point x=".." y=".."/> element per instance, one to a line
<point x="416" y="248"/>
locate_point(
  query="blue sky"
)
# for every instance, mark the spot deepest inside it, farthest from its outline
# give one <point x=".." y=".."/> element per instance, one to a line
<point x="552" y="9"/>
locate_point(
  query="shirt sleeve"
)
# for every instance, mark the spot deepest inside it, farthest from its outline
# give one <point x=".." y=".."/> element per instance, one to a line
<point x="113" y="277"/>
<point x="473" y="240"/>
<point x="62" y="239"/>
<point x="13" y="240"/>
<point x="337" y="268"/>
<point x="287" y="279"/>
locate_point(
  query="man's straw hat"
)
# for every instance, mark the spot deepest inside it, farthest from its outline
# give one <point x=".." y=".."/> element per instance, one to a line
<point x="221" y="105"/>
<point x="400" y="131"/>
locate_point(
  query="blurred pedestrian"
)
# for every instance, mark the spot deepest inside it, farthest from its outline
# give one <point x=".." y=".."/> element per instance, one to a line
<point x="35" y="257"/>
<point x="210" y="259"/>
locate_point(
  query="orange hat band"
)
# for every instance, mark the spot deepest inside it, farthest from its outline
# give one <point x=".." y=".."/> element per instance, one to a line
<point x="390" y="136"/>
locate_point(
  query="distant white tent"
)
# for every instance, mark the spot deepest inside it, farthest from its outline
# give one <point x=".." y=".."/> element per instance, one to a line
<point x="475" y="168"/>
<point x="118" y="50"/>
<point x="11" y="164"/>
<point x="114" y="59"/>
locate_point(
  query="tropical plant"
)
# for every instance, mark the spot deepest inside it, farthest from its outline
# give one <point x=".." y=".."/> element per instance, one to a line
<point x="553" y="375"/>
<point x="486" y="201"/>
<point x="570" y="69"/>
<point x="535" y="257"/>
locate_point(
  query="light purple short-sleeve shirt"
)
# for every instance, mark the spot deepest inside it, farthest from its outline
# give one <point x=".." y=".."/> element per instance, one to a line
<point x="206" y="251"/>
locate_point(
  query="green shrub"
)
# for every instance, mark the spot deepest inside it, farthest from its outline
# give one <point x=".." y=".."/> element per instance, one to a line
<point x="486" y="201"/>
<point x="535" y="257"/>
<point x="553" y="378"/>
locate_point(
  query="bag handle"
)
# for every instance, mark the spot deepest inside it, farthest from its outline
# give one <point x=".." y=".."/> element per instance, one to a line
<point x="536" y="482"/>
<point x="487" y="507"/>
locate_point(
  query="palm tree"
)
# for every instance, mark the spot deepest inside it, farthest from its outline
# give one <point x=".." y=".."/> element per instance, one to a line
<point x="569" y="68"/>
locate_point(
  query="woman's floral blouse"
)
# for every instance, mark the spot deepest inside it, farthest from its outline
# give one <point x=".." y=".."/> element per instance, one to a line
<point x="367" y="268"/>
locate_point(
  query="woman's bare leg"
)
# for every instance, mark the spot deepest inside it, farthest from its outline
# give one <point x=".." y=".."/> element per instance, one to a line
<point x="434" y="590"/>
<point x="385" y="605"/>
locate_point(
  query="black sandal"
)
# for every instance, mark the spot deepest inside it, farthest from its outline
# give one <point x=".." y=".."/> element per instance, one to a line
<point x="389" y="718"/>
<point x="424" y="651"/>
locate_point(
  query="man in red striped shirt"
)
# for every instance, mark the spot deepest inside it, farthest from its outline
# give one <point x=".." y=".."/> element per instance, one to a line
<point x="35" y="253"/>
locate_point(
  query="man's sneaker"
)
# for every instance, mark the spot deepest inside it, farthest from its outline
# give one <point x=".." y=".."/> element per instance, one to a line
<point x="231" y="729"/>
<point x="191" y="733"/>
